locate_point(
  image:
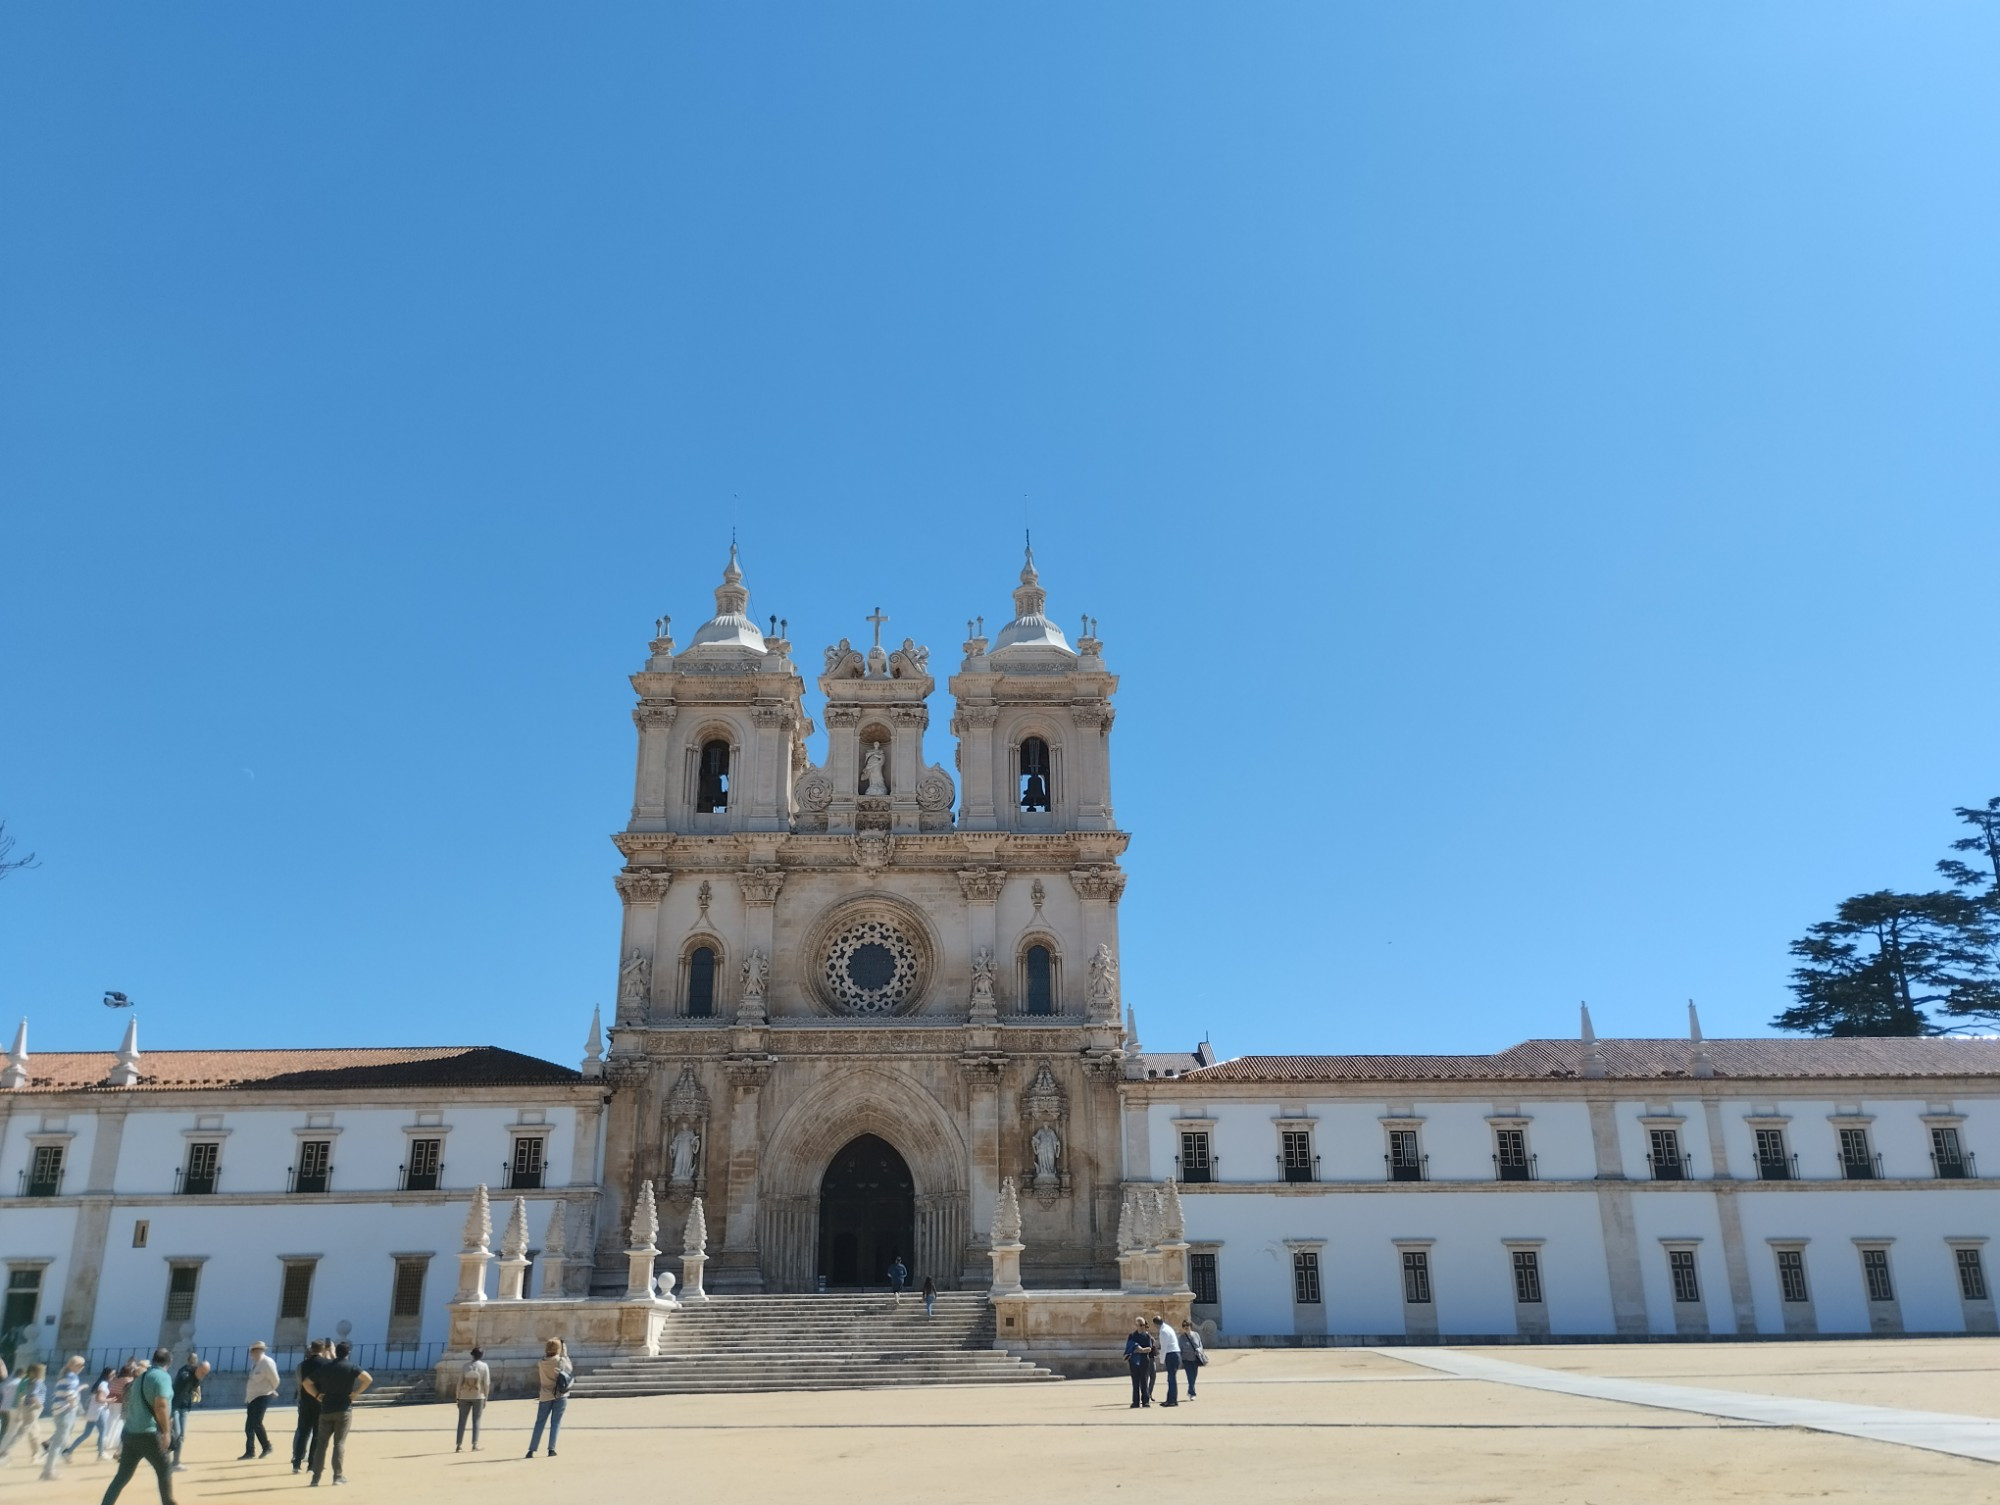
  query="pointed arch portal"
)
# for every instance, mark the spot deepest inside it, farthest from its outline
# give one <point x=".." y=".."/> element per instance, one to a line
<point x="867" y="1213"/>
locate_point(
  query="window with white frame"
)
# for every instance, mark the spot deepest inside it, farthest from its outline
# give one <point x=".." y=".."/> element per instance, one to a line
<point x="1774" y="1160"/>
<point x="1949" y="1162"/>
<point x="1510" y="1153"/>
<point x="1196" y="1163"/>
<point x="1664" y="1156"/>
<point x="1857" y="1155"/>
<point x="1295" y="1153"/>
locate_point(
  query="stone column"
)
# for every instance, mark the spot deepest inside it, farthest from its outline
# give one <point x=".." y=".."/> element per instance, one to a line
<point x="514" y="1253"/>
<point x="843" y="765"/>
<point x="694" y="1255"/>
<point x="1091" y="770"/>
<point x="474" y="1256"/>
<point x="982" y="1080"/>
<point x="737" y="1266"/>
<point x="655" y="720"/>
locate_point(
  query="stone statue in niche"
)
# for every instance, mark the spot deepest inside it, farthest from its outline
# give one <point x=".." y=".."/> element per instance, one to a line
<point x="756" y="971"/>
<point x="873" y="780"/>
<point x="1103" y="988"/>
<point x="982" y="975"/>
<point x="681" y="1154"/>
<point x="633" y="977"/>
<point x="1047" y="1145"/>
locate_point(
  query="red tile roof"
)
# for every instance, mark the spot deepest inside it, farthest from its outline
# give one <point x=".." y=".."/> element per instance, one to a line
<point x="389" y="1066"/>
<point x="1633" y="1060"/>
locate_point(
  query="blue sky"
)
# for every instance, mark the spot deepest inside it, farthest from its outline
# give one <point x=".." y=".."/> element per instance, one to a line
<point x="1533" y="466"/>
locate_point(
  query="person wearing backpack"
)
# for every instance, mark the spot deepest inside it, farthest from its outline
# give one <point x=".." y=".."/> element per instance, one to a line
<point x="554" y="1399"/>
<point x="187" y="1395"/>
<point x="475" y="1384"/>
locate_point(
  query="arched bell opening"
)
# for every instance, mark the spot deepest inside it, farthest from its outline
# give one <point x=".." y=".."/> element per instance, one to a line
<point x="867" y="1214"/>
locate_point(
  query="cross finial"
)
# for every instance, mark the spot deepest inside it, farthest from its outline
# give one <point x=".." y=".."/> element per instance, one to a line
<point x="878" y="619"/>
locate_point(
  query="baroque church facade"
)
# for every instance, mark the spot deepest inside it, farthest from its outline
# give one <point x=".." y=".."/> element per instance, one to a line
<point x="855" y="995"/>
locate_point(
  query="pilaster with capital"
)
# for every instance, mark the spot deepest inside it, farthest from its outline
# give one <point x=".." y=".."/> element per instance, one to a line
<point x="981" y="887"/>
<point x="1092" y="720"/>
<point x="973" y="726"/>
<point x="760" y="886"/>
<point x="655" y="720"/>
<point x="982" y="1081"/>
<point x="736" y="1267"/>
<point x="1098" y="888"/>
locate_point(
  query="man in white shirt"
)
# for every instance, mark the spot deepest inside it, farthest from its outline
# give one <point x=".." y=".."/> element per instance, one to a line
<point x="258" y="1394"/>
<point x="1170" y="1352"/>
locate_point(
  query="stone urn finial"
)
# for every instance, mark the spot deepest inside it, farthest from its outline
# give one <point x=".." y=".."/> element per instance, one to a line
<point x="694" y="1239"/>
<point x="555" y="1242"/>
<point x="1175" y="1222"/>
<point x="478" y="1222"/>
<point x="645" y="1218"/>
<point x="514" y="1242"/>
<point x="1006" y="1227"/>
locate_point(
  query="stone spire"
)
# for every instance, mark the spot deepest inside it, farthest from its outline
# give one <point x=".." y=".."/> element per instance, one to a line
<point x="1128" y="1222"/>
<point x="645" y="1218"/>
<point x="125" y="1070"/>
<point x="514" y="1242"/>
<point x="16" y="1073"/>
<point x="694" y="1238"/>
<point x="555" y="1242"/>
<point x="1030" y="628"/>
<point x="593" y="1047"/>
<point x="1132" y="1029"/>
<point x="1593" y="1058"/>
<point x="1174" y="1223"/>
<point x="730" y="626"/>
<point x="1703" y="1066"/>
<point x="1006" y="1227"/>
<point x="478" y="1222"/>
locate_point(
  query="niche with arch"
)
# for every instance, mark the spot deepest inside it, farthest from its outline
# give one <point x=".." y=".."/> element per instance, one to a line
<point x="701" y="978"/>
<point x="1038" y="976"/>
<point x="872" y="761"/>
<point x="714" y="771"/>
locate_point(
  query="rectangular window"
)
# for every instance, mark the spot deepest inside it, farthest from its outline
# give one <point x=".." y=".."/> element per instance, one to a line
<point x="1510" y="1154"/>
<point x="1195" y="1162"/>
<point x="407" y="1297"/>
<point x="1971" y="1274"/>
<point x="526" y="1171"/>
<point x="1680" y="1264"/>
<point x="1406" y="1162"/>
<point x="1201" y="1275"/>
<point x="141" y="1227"/>
<point x="1527" y="1276"/>
<point x="1857" y="1162"/>
<point x="426" y="1160"/>
<point x="24" y="1300"/>
<point x="1305" y="1277"/>
<point x="204" y="1164"/>
<point x="315" y="1165"/>
<point x="181" y="1283"/>
<point x="1416" y="1277"/>
<point x="1792" y="1275"/>
<point x="1774" y="1162"/>
<point x="1875" y="1270"/>
<point x="295" y="1297"/>
<point x="45" y="1171"/>
<point x="1297" y="1154"/>
<point x="1948" y="1153"/>
<point x="1665" y="1158"/>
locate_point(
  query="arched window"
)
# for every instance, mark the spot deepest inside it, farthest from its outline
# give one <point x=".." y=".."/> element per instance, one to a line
<point x="701" y="983"/>
<point x="1041" y="981"/>
<point x="1034" y="774"/>
<point x="712" y="794"/>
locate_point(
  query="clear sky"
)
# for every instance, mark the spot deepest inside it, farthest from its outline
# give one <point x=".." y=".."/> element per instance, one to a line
<point x="1534" y="467"/>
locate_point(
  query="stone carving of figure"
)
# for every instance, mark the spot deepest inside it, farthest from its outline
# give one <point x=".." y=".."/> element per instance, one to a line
<point x="1047" y="1145"/>
<point x="873" y="782"/>
<point x="1103" y="976"/>
<point x="686" y="1144"/>
<point x="982" y="975"/>
<point x="755" y="970"/>
<point x="632" y="977"/>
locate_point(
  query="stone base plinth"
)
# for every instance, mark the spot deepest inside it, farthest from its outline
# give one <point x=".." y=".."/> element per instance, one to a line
<point x="515" y="1334"/>
<point x="1079" y="1333"/>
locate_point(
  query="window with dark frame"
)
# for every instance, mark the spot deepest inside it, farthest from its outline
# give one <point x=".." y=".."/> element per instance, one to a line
<point x="1875" y="1271"/>
<point x="204" y="1161"/>
<point x="24" y="1299"/>
<point x="182" y="1282"/>
<point x="1201" y="1275"/>
<point x="315" y="1165"/>
<point x="45" y="1171"/>
<point x="1297" y="1153"/>
<point x="1947" y="1152"/>
<point x="1971" y="1273"/>
<point x="406" y="1299"/>
<point x="526" y="1171"/>
<point x="712" y="787"/>
<point x="1528" y="1277"/>
<point x="1405" y="1159"/>
<point x="1666" y="1156"/>
<point x="701" y="983"/>
<point x="1774" y="1162"/>
<point x="1041" y="967"/>
<point x="1416" y="1277"/>
<point x="1857" y="1161"/>
<point x="295" y="1296"/>
<point x="1305" y="1277"/>
<point x="1687" y="1285"/>
<point x="426" y="1161"/>
<point x="1510" y="1154"/>
<point x="1195" y="1162"/>
<point x="1792" y="1276"/>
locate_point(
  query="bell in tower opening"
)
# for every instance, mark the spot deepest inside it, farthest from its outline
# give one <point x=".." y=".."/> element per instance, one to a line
<point x="1034" y="774"/>
<point x="712" y="794"/>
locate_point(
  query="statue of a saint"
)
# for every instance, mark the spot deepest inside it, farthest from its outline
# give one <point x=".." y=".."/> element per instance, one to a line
<point x="755" y="970"/>
<point x="982" y="975"/>
<point x="1047" y="1145"/>
<point x="686" y="1144"/>
<point x="873" y="782"/>
<point x="1103" y="976"/>
<point x="632" y="977"/>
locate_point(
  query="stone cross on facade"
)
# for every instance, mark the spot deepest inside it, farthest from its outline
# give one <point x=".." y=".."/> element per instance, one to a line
<point x="878" y="618"/>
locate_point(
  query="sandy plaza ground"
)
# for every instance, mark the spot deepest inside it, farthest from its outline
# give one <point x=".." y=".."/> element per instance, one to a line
<point x="1341" y="1424"/>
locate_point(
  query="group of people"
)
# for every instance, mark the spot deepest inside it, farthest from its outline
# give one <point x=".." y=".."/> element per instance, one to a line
<point x="1153" y="1346"/>
<point x="78" y="1410"/>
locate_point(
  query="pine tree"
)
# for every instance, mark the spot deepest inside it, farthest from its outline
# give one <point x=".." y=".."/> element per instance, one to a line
<point x="1886" y="960"/>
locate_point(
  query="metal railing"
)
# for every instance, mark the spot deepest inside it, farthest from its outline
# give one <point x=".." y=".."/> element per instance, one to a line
<point x="1516" y="1168"/>
<point x="1190" y="1175"/>
<point x="32" y="1185"/>
<point x="310" y="1181"/>
<point x="428" y="1180"/>
<point x="520" y="1180"/>
<point x="1778" y="1167"/>
<point x="1861" y="1167"/>
<point x="1289" y="1170"/>
<point x="1407" y="1168"/>
<point x="1959" y="1167"/>
<point x="203" y="1185"/>
<point x="378" y="1358"/>
<point x="1667" y="1167"/>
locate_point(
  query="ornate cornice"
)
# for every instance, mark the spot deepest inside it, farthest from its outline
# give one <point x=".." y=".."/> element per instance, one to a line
<point x="760" y="886"/>
<point x="1094" y="714"/>
<point x="643" y="885"/>
<point x="1098" y="882"/>
<point x="653" y="716"/>
<point x="843" y="715"/>
<point x="909" y="715"/>
<point x="981" y="885"/>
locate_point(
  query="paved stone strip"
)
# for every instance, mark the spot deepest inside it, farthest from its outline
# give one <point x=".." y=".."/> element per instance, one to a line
<point x="1936" y="1431"/>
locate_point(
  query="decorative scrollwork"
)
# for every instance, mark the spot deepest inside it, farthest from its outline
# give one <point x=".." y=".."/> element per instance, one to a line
<point x="814" y="790"/>
<point x="934" y="791"/>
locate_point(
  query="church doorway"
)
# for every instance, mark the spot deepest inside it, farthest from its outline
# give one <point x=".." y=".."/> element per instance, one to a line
<point x="867" y="1214"/>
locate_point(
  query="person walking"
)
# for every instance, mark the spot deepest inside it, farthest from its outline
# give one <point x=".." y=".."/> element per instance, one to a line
<point x="121" y="1387"/>
<point x="97" y="1415"/>
<point x="318" y="1354"/>
<point x="66" y="1406"/>
<point x="554" y="1398"/>
<point x="1170" y="1354"/>
<point x="930" y="1297"/>
<point x="148" y="1422"/>
<point x="335" y="1385"/>
<point x="187" y="1395"/>
<point x="258" y="1393"/>
<point x="1139" y="1359"/>
<point x="1194" y="1353"/>
<point x="25" y="1420"/>
<point x="475" y="1384"/>
<point x="899" y="1276"/>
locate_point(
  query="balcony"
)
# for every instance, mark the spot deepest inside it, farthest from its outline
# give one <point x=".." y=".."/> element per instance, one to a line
<point x="1408" y="1167"/>
<point x="1861" y="1167"/>
<point x="1667" y="1167"/>
<point x="41" y="1183"/>
<point x="1189" y="1174"/>
<point x="1516" y="1168"/>
<point x="320" y="1179"/>
<point x="424" y="1179"/>
<point x="1777" y="1167"/>
<point x="1292" y="1170"/>
<point x="196" y="1183"/>
<point x="523" y="1180"/>
<point x="1954" y="1167"/>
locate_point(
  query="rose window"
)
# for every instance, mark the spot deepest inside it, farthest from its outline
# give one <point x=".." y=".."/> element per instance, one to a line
<point x="869" y="966"/>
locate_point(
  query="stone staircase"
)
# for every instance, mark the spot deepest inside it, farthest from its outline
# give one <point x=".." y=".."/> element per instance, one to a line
<point x="857" y="1341"/>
